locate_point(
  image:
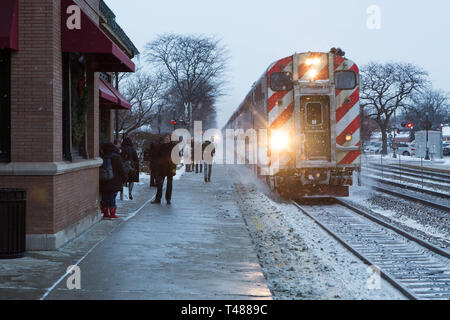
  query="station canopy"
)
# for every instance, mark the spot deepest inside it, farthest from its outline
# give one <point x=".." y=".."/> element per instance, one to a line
<point x="91" y="40"/>
<point x="111" y="97"/>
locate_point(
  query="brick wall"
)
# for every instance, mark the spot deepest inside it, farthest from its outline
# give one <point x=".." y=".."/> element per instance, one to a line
<point x="36" y="84"/>
<point x="73" y="199"/>
<point x="54" y="202"/>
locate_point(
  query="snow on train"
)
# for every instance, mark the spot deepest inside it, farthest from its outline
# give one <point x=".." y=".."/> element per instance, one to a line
<point x="308" y="103"/>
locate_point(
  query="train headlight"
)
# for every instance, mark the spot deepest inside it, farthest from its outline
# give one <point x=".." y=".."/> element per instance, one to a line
<point x="279" y="141"/>
<point x="312" y="61"/>
<point x="348" y="138"/>
<point x="312" y="74"/>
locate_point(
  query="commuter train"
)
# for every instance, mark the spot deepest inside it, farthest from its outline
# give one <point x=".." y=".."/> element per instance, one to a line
<point x="308" y="105"/>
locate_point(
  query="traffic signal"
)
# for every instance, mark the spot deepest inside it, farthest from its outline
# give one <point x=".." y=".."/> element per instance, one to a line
<point x="410" y="126"/>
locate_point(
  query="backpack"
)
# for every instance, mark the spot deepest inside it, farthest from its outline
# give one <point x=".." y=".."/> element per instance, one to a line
<point x="106" y="170"/>
<point x="128" y="168"/>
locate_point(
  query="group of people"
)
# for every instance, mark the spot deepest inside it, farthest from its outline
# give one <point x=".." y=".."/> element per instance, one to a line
<point x="121" y="168"/>
<point x="204" y="163"/>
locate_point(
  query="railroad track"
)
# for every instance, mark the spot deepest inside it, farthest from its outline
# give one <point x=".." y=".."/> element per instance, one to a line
<point x="434" y="202"/>
<point x="410" y="172"/>
<point x="417" y="268"/>
<point x="442" y="195"/>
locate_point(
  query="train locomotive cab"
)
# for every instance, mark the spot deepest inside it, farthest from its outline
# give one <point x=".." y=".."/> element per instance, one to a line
<point x="312" y="115"/>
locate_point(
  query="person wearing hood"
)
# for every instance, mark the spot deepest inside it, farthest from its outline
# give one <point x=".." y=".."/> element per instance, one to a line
<point x="112" y="178"/>
<point x="131" y="164"/>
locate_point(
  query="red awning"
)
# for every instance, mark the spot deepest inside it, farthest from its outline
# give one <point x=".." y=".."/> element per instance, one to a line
<point x="9" y="24"/>
<point x="90" y="39"/>
<point x="111" y="97"/>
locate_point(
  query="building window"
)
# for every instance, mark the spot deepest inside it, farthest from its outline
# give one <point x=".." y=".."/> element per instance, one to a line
<point x="5" y="105"/>
<point x="76" y="105"/>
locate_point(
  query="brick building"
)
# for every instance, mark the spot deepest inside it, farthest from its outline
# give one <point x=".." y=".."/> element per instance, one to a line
<point x="58" y="62"/>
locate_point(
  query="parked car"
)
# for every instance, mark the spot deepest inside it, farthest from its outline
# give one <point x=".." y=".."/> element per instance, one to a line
<point x="373" y="147"/>
<point x="446" y="148"/>
<point x="405" y="149"/>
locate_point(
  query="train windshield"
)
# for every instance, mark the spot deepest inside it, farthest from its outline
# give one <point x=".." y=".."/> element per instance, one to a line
<point x="345" y="80"/>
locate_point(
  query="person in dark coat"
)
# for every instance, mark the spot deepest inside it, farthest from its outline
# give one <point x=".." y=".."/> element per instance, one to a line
<point x="165" y="168"/>
<point x="151" y="155"/>
<point x="197" y="160"/>
<point x="110" y="188"/>
<point x="131" y="163"/>
<point x="208" y="159"/>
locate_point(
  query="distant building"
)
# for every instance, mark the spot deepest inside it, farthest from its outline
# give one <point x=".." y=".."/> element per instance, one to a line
<point x="446" y="133"/>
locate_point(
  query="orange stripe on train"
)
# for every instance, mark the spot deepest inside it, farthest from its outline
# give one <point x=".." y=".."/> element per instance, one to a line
<point x="347" y="105"/>
<point x="283" y="118"/>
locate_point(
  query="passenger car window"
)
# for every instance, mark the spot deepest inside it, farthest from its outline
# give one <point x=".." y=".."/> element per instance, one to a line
<point x="314" y="114"/>
<point x="345" y="80"/>
<point x="281" y="81"/>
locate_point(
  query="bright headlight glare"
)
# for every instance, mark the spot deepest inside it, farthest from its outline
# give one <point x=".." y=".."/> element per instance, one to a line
<point x="279" y="140"/>
<point x="312" y="61"/>
<point x="312" y="74"/>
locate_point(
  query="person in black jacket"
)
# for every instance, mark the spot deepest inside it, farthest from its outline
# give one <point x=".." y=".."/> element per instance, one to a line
<point x="131" y="164"/>
<point x="208" y="154"/>
<point x="151" y="155"/>
<point x="165" y="168"/>
<point x="110" y="188"/>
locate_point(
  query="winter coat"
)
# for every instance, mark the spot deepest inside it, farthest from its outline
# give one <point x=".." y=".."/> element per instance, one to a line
<point x="116" y="184"/>
<point x="213" y="151"/>
<point x="163" y="162"/>
<point x="151" y="155"/>
<point x="130" y="154"/>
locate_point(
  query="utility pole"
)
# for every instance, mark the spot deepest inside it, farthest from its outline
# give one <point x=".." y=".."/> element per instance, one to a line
<point x="394" y="144"/>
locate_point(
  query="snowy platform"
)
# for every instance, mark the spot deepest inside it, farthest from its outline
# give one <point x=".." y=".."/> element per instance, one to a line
<point x="198" y="248"/>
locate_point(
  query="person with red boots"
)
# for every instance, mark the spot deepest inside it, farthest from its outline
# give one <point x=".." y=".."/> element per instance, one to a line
<point x="112" y="178"/>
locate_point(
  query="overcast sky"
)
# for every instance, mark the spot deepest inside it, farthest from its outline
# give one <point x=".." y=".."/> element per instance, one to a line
<point x="258" y="32"/>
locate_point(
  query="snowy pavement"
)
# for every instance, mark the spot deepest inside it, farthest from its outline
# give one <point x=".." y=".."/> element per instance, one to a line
<point x="198" y="248"/>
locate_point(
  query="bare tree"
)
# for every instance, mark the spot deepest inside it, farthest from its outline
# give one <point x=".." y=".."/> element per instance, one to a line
<point x="434" y="102"/>
<point x="387" y="87"/>
<point x="189" y="63"/>
<point x="145" y="93"/>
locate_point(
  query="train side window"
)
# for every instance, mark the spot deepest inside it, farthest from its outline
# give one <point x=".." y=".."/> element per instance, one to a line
<point x="281" y="81"/>
<point x="345" y="80"/>
<point x="314" y="114"/>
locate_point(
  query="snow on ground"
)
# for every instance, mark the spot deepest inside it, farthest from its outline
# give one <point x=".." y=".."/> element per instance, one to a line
<point x="427" y="223"/>
<point x="389" y="159"/>
<point x="433" y="186"/>
<point x="299" y="259"/>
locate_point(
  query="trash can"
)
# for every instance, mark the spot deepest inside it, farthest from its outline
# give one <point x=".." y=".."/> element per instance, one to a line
<point x="12" y="223"/>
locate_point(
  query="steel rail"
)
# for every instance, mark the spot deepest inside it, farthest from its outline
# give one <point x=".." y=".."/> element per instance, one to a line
<point x="397" y="283"/>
